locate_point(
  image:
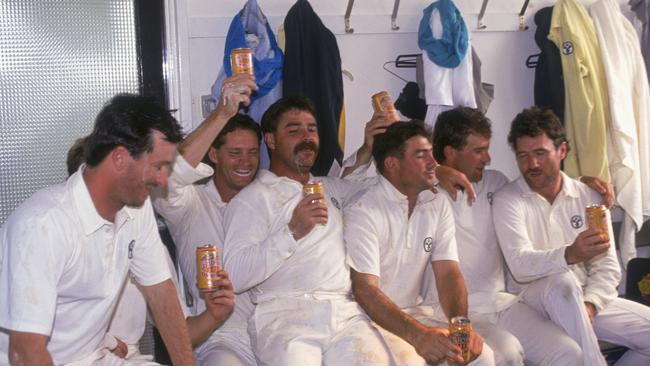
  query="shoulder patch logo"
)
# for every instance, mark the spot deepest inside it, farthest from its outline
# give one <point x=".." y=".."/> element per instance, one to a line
<point x="131" y="245"/>
<point x="576" y="221"/>
<point x="335" y="202"/>
<point x="428" y="244"/>
<point x="490" y="197"/>
<point x="567" y="48"/>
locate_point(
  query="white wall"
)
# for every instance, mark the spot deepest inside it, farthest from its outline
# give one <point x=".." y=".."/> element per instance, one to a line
<point x="202" y="25"/>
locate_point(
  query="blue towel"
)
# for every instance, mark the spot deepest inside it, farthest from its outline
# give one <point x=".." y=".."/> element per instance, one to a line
<point x="267" y="56"/>
<point x="449" y="50"/>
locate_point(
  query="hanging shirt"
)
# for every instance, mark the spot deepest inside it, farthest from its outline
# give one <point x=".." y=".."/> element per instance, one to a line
<point x="587" y="104"/>
<point x="642" y="10"/>
<point x="549" y="82"/>
<point x="629" y="159"/>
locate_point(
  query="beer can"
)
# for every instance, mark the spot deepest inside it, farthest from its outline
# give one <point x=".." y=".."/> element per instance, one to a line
<point x="208" y="264"/>
<point x="459" y="329"/>
<point x="596" y="216"/>
<point x="313" y="187"/>
<point x="382" y="102"/>
<point x="241" y="61"/>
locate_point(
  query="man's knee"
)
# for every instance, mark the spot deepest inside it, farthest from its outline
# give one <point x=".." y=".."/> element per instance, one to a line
<point x="508" y="353"/>
<point x="565" y="353"/>
<point x="562" y="286"/>
<point x="486" y="358"/>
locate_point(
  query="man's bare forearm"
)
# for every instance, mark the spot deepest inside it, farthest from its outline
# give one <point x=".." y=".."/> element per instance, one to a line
<point x="200" y="327"/>
<point x="197" y="143"/>
<point x="451" y="288"/>
<point x="26" y="349"/>
<point x="162" y="299"/>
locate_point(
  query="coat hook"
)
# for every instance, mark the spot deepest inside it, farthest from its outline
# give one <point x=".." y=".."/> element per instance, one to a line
<point x="393" y="17"/>
<point x="481" y="14"/>
<point x="348" y="11"/>
<point x="522" y="23"/>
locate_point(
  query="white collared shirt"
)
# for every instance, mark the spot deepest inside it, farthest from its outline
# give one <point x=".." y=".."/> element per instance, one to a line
<point x="64" y="265"/>
<point x="478" y="249"/>
<point x="194" y="216"/>
<point x="534" y="234"/>
<point x="382" y="240"/>
<point x="260" y="251"/>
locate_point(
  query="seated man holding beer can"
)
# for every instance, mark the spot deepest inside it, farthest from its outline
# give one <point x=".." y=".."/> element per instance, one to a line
<point x="567" y="268"/>
<point x="395" y="233"/>
<point x="287" y="248"/>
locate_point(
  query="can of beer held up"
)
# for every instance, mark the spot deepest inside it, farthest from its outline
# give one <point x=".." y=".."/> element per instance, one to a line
<point x="208" y="264"/>
<point x="313" y="187"/>
<point x="596" y="216"/>
<point x="459" y="330"/>
<point x="382" y="102"/>
<point x="241" y="61"/>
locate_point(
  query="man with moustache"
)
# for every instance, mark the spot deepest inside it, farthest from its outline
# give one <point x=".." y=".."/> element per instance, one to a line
<point x="67" y="250"/>
<point x="194" y="211"/>
<point x="549" y="249"/>
<point x="288" y="250"/>
<point x="396" y="234"/>
<point x="461" y="140"/>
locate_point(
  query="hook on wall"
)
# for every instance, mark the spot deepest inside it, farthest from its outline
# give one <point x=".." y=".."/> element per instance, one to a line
<point x="393" y="17"/>
<point x="522" y="23"/>
<point x="481" y="14"/>
<point x="346" y="19"/>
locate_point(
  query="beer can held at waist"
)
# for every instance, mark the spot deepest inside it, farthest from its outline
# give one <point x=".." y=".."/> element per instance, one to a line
<point x="460" y="328"/>
<point x="208" y="265"/>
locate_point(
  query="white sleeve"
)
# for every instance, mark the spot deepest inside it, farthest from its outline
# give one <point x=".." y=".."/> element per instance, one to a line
<point x="149" y="263"/>
<point x="444" y="245"/>
<point x="524" y="261"/>
<point x="180" y="189"/>
<point x="35" y="255"/>
<point x="362" y="239"/>
<point x="603" y="274"/>
<point x="252" y="252"/>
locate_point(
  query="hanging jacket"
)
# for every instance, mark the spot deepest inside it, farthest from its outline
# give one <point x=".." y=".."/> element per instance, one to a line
<point x="549" y="82"/>
<point x="312" y="68"/>
<point x="642" y="10"/>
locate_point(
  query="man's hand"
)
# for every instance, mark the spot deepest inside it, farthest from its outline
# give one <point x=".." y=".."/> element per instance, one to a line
<point x="451" y="180"/>
<point x="587" y="245"/>
<point x="235" y="90"/>
<point x="433" y="344"/>
<point x="220" y="303"/>
<point x="591" y="311"/>
<point x="121" y="350"/>
<point x="309" y="212"/>
<point x="605" y="189"/>
<point x="378" y="124"/>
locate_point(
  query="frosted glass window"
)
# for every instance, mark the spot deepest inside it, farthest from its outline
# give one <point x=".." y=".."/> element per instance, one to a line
<point x="60" y="61"/>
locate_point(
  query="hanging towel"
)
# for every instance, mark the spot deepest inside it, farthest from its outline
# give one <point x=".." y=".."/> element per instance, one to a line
<point x="642" y="10"/>
<point x="312" y="68"/>
<point x="483" y="92"/>
<point x="445" y="87"/>
<point x="549" y="83"/>
<point x="586" y="102"/>
<point x="250" y="29"/>
<point x="629" y="99"/>
<point x="449" y="49"/>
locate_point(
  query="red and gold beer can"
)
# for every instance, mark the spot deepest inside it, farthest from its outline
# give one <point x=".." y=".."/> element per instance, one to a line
<point x="596" y="216"/>
<point x="313" y="187"/>
<point x="241" y="61"/>
<point x="382" y="102"/>
<point x="208" y="265"/>
<point x="459" y="329"/>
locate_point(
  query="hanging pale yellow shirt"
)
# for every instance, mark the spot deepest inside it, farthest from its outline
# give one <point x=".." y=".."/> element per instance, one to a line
<point x="585" y="85"/>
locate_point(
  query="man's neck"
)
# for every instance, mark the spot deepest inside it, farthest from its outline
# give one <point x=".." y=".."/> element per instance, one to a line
<point x="225" y="192"/>
<point x="99" y="187"/>
<point x="550" y="193"/>
<point x="410" y="192"/>
<point x="282" y="170"/>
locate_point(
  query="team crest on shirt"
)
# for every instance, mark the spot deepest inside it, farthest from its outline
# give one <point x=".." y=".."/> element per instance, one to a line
<point x="428" y="244"/>
<point x="335" y="202"/>
<point x="131" y="245"/>
<point x="567" y="48"/>
<point x="576" y="221"/>
<point x="490" y="196"/>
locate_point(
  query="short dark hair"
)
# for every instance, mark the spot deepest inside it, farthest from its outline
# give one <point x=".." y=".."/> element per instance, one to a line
<point x="534" y="121"/>
<point x="75" y="155"/>
<point x="237" y="122"/>
<point x="128" y="120"/>
<point x="454" y="126"/>
<point x="392" y="142"/>
<point x="272" y="115"/>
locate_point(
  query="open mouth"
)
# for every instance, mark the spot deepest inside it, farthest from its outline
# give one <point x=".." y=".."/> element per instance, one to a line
<point x="244" y="173"/>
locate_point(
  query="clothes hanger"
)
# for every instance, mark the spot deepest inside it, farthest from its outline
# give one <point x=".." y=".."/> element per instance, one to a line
<point x="481" y="14"/>
<point x="389" y="71"/>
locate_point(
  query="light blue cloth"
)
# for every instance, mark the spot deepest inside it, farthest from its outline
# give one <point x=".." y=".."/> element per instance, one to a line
<point x="449" y="50"/>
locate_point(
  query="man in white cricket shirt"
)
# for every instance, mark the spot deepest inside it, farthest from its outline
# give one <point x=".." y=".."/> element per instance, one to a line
<point x="288" y="250"/>
<point x="395" y="233"/>
<point x="569" y="273"/>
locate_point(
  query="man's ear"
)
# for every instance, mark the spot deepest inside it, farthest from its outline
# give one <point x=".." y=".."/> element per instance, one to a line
<point x="120" y="158"/>
<point x="449" y="153"/>
<point x="563" y="150"/>
<point x="213" y="156"/>
<point x="391" y="163"/>
<point x="269" y="139"/>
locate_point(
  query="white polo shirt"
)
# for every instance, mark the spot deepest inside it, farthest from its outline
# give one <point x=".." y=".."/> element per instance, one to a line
<point x="382" y="240"/>
<point x="478" y="249"/>
<point x="261" y="254"/>
<point x="194" y="216"/>
<point x="64" y="266"/>
<point x="534" y="234"/>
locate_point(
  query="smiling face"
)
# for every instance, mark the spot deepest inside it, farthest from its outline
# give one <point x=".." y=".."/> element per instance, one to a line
<point x="472" y="158"/>
<point x="236" y="161"/>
